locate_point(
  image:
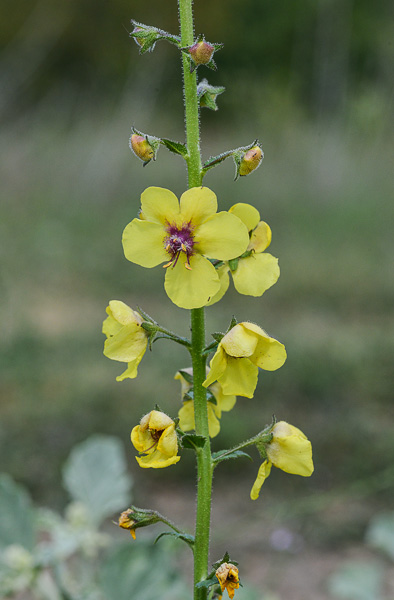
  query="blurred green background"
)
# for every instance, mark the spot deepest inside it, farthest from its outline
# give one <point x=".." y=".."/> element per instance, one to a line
<point x="311" y="80"/>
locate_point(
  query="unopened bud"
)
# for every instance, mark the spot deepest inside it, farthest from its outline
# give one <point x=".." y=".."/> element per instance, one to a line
<point x="247" y="158"/>
<point x="201" y="53"/>
<point x="251" y="160"/>
<point x="145" y="147"/>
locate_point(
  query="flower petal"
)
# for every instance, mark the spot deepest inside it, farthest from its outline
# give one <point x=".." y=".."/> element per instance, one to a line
<point x="239" y="341"/>
<point x="222" y="236"/>
<point x="123" y="313"/>
<point x="217" y="365"/>
<point x="239" y="378"/>
<point x="141" y="440"/>
<point x="269" y="354"/>
<point x="128" y="344"/>
<point x="260" y="238"/>
<point x="290" y="450"/>
<point x="197" y="204"/>
<point x="213" y="421"/>
<point x="224" y="283"/>
<point x="159" y="205"/>
<point x="255" y="274"/>
<point x="168" y="442"/>
<point x="143" y="243"/>
<point x="186" y="416"/>
<point x="264" y="471"/>
<point x="156" y="460"/>
<point x="159" y="420"/>
<point x="191" y="288"/>
<point x="248" y="214"/>
<point x="131" y="371"/>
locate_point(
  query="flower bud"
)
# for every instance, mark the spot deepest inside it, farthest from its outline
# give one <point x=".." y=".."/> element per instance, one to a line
<point x="251" y="160"/>
<point x="201" y="53"/>
<point x="145" y="147"/>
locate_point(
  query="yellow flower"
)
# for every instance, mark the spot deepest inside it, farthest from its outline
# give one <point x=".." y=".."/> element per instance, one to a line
<point x="227" y="575"/>
<point x="126" y="339"/>
<point x="182" y="234"/>
<point x="126" y="522"/>
<point x="254" y="273"/>
<point x="186" y="413"/>
<point x="242" y="350"/>
<point x="156" y="438"/>
<point x="289" y="450"/>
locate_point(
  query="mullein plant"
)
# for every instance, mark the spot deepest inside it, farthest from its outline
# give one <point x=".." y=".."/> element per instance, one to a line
<point x="201" y="249"/>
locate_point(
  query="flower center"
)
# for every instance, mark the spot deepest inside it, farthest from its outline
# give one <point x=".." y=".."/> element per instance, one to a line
<point x="179" y="239"/>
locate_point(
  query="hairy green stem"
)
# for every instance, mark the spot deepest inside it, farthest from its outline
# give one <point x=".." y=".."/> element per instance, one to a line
<point x="204" y="467"/>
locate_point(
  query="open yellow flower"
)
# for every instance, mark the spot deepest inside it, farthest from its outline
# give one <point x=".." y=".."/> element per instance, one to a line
<point x="156" y="439"/>
<point x="256" y="271"/>
<point x="126" y="339"/>
<point x="228" y="578"/>
<point x="241" y="351"/>
<point x="182" y="234"/>
<point x="186" y="413"/>
<point x="289" y="450"/>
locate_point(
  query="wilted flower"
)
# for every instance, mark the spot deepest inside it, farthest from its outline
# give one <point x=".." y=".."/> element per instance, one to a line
<point x="227" y="575"/>
<point x="289" y="450"/>
<point x="251" y="160"/>
<point x="241" y="351"/>
<point x="186" y="413"/>
<point x="126" y="522"/>
<point x="126" y="339"/>
<point x="182" y="234"/>
<point x="156" y="439"/>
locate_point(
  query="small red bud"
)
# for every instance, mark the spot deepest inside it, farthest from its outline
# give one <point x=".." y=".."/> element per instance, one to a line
<point x="250" y="160"/>
<point x="141" y="147"/>
<point x="201" y="52"/>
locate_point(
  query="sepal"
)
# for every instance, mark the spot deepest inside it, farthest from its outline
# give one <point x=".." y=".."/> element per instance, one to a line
<point x="218" y="458"/>
<point x="192" y="441"/>
<point x="175" y="147"/>
<point x="146" y="36"/>
<point x="185" y="537"/>
<point x="207" y="94"/>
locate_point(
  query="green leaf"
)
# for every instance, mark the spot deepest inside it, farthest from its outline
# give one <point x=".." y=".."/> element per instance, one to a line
<point x="175" y="147"/>
<point x="217" y="458"/>
<point x="17" y="517"/>
<point x="213" y="161"/>
<point x="138" y="571"/>
<point x="357" y="581"/>
<point x="193" y="441"/>
<point x="207" y="583"/>
<point x="380" y="533"/>
<point x="187" y="376"/>
<point x="185" y="537"/>
<point x="96" y="474"/>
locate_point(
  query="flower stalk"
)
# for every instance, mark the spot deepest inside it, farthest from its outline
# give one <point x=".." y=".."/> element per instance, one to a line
<point x="194" y="170"/>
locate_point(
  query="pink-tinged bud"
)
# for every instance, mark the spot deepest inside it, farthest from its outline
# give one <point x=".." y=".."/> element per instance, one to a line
<point x="144" y="146"/>
<point x="250" y="160"/>
<point x="201" y="52"/>
<point x="141" y="147"/>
